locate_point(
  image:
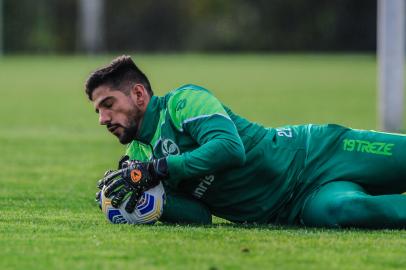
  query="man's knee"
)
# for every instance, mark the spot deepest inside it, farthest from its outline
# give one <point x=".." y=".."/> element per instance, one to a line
<point x="340" y="211"/>
<point x="336" y="212"/>
<point x="348" y="211"/>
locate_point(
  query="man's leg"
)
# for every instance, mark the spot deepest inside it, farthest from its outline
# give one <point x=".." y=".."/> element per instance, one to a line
<point x="346" y="204"/>
<point x="386" y="155"/>
<point x="374" y="160"/>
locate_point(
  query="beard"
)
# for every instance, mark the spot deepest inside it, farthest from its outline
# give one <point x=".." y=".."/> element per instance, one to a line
<point x="130" y="132"/>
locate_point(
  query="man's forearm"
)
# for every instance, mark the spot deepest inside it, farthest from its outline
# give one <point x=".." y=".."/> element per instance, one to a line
<point x="212" y="157"/>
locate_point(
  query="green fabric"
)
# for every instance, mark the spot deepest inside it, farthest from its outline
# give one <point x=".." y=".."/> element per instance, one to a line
<point x="219" y="148"/>
<point x="239" y="170"/>
<point x="190" y="103"/>
<point x="182" y="209"/>
<point x="329" y="159"/>
<point x="346" y="204"/>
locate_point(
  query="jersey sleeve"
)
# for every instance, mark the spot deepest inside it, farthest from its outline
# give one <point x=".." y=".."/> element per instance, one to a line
<point x="182" y="210"/>
<point x="199" y="114"/>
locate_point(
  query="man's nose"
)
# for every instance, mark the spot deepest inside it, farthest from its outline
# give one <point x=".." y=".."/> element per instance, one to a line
<point x="104" y="118"/>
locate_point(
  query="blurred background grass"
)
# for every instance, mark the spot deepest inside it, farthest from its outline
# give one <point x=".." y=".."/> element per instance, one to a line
<point x="272" y="89"/>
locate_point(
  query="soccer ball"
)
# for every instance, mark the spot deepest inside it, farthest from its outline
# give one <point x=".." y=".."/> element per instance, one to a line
<point x="147" y="211"/>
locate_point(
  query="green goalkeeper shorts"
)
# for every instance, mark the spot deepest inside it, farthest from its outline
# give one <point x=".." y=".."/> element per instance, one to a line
<point x="374" y="160"/>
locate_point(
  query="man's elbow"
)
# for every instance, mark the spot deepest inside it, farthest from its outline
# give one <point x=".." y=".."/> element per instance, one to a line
<point x="237" y="155"/>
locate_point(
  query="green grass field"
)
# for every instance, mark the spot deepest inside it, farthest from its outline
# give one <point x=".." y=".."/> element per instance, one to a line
<point x="52" y="151"/>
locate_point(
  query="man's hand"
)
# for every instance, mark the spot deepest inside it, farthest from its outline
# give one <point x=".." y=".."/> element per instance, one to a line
<point x="132" y="180"/>
<point x="100" y="184"/>
<point x="108" y="175"/>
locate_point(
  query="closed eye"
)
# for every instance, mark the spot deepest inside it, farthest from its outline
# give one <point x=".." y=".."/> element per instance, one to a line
<point x="108" y="103"/>
<point x="105" y="103"/>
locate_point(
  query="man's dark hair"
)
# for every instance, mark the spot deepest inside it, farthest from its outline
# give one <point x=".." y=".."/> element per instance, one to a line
<point x="121" y="74"/>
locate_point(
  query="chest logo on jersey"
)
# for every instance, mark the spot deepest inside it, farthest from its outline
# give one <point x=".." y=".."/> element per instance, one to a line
<point x="169" y="148"/>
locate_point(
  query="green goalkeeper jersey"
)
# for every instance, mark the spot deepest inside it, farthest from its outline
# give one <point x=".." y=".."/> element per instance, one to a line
<point x="219" y="163"/>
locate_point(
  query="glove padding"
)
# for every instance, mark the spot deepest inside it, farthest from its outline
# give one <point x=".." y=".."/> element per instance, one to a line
<point x="132" y="180"/>
<point x="100" y="185"/>
<point x="103" y="182"/>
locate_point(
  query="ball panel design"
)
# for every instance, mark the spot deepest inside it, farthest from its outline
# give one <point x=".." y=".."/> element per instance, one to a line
<point x="147" y="211"/>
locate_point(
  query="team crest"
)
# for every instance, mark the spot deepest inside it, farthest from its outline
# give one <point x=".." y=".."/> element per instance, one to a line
<point x="169" y="148"/>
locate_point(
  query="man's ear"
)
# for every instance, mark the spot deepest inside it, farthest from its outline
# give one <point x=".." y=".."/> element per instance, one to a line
<point x="140" y="95"/>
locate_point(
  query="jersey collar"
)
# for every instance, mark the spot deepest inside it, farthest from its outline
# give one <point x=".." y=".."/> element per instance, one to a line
<point x="150" y="121"/>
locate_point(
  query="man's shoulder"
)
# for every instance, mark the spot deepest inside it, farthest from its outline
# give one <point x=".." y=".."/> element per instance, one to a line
<point x="190" y="87"/>
<point x="186" y="91"/>
<point x="190" y="92"/>
<point x="190" y="102"/>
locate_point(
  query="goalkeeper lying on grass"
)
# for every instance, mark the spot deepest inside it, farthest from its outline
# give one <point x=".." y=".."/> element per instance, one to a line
<point x="212" y="161"/>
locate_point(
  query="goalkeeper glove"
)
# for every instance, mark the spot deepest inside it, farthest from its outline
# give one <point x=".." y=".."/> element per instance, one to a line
<point x="132" y="180"/>
<point x="101" y="183"/>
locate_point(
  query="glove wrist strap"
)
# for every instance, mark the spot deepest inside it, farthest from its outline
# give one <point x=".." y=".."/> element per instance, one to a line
<point x="161" y="169"/>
